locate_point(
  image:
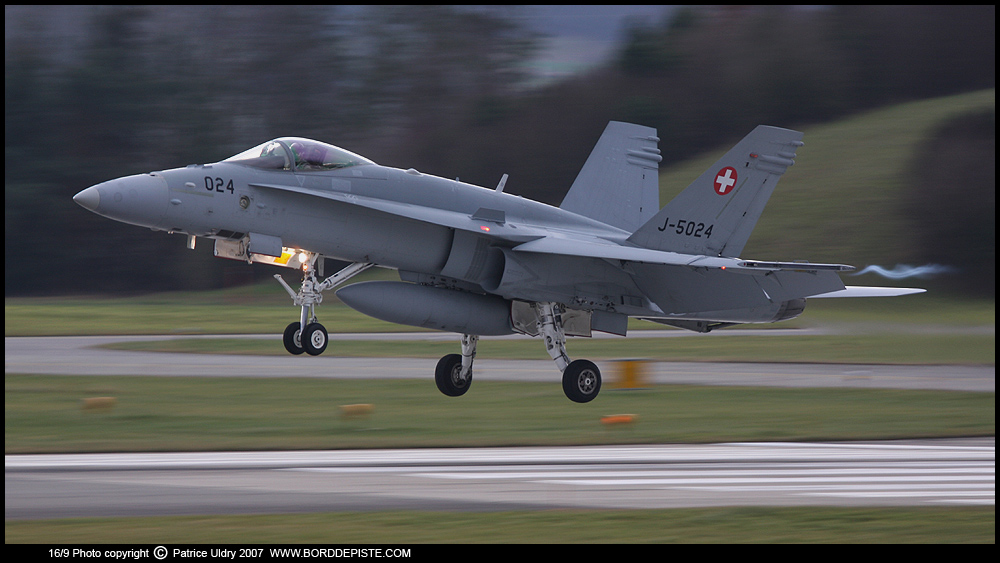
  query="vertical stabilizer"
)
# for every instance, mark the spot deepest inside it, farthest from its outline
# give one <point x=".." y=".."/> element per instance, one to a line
<point x="619" y="183"/>
<point x="715" y="215"/>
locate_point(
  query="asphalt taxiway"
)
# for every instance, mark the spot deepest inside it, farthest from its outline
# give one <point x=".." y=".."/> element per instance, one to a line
<point x="82" y="355"/>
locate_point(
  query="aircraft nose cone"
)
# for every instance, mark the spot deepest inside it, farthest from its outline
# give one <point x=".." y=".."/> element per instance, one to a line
<point x="140" y="199"/>
<point x="89" y="198"/>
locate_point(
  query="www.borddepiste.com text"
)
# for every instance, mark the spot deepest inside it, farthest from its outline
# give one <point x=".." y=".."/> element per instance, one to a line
<point x="346" y="552"/>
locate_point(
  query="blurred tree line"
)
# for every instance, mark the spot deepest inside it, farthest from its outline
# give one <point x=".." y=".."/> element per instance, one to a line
<point x="123" y="90"/>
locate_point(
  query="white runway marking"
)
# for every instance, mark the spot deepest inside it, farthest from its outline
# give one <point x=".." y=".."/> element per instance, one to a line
<point x="938" y="472"/>
<point x="948" y="482"/>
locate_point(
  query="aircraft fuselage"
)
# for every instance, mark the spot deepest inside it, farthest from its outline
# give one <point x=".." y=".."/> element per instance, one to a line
<point x="227" y="201"/>
<point x="478" y="261"/>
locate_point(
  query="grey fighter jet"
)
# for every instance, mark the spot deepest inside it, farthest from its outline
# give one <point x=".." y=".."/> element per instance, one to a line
<point x="477" y="261"/>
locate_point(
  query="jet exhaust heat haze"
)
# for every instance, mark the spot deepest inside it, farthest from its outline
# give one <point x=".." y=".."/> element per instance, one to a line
<point x="905" y="271"/>
<point x="477" y="261"/>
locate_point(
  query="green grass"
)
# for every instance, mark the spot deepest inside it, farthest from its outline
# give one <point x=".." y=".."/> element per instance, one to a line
<point x="252" y="309"/>
<point x="43" y="414"/>
<point x="914" y="349"/>
<point x="816" y="525"/>
<point x="262" y="309"/>
<point x="170" y="315"/>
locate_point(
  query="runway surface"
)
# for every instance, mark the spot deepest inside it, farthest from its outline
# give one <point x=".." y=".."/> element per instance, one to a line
<point x="937" y="472"/>
<point x="923" y="473"/>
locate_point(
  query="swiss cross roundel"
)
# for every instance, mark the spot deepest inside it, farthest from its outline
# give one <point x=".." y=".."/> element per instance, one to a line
<point x="725" y="180"/>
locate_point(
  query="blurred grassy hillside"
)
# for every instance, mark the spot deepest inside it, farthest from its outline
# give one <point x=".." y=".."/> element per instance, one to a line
<point x="843" y="200"/>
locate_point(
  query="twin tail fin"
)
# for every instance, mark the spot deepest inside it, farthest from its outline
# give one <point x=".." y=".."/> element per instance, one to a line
<point x="715" y="215"/>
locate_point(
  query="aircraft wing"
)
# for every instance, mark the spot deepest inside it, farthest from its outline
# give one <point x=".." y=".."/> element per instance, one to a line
<point x="437" y="216"/>
<point x="595" y="247"/>
<point x="542" y="241"/>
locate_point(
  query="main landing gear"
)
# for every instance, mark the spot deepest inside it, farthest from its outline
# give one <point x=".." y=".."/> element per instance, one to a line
<point x="453" y="374"/>
<point x="307" y="335"/>
<point x="581" y="379"/>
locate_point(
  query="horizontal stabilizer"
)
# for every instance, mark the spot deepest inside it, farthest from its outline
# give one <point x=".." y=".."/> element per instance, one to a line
<point x="859" y="291"/>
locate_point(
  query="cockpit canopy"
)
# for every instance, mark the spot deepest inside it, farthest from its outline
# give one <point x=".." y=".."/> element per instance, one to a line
<point x="296" y="153"/>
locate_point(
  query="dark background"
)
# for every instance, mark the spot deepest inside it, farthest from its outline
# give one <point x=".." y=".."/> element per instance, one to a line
<point x="94" y="93"/>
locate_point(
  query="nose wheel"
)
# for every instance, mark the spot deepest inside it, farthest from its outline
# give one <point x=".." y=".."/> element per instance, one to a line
<point x="293" y="339"/>
<point x="307" y="335"/>
<point x="312" y="341"/>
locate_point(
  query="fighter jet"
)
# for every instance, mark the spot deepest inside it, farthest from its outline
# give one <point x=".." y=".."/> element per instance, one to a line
<point x="478" y="261"/>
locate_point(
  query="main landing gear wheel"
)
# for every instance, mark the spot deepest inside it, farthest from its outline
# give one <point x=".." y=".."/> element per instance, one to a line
<point x="448" y="376"/>
<point x="293" y="339"/>
<point x="581" y="381"/>
<point x="314" y="339"/>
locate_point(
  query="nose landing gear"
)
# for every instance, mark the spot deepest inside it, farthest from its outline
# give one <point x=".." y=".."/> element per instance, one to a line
<point x="308" y="335"/>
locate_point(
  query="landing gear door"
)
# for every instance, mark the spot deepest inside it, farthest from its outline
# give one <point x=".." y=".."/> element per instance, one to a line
<point x="264" y="244"/>
<point x="525" y="320"/>
<point x="262" y="249"/>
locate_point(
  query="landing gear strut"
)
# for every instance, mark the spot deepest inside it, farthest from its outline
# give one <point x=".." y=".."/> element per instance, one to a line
<point x="581" y="379"/>
<point x="307" y="335"/>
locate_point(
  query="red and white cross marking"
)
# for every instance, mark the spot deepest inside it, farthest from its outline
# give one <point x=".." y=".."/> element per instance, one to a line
<point x="725" y="180"/>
